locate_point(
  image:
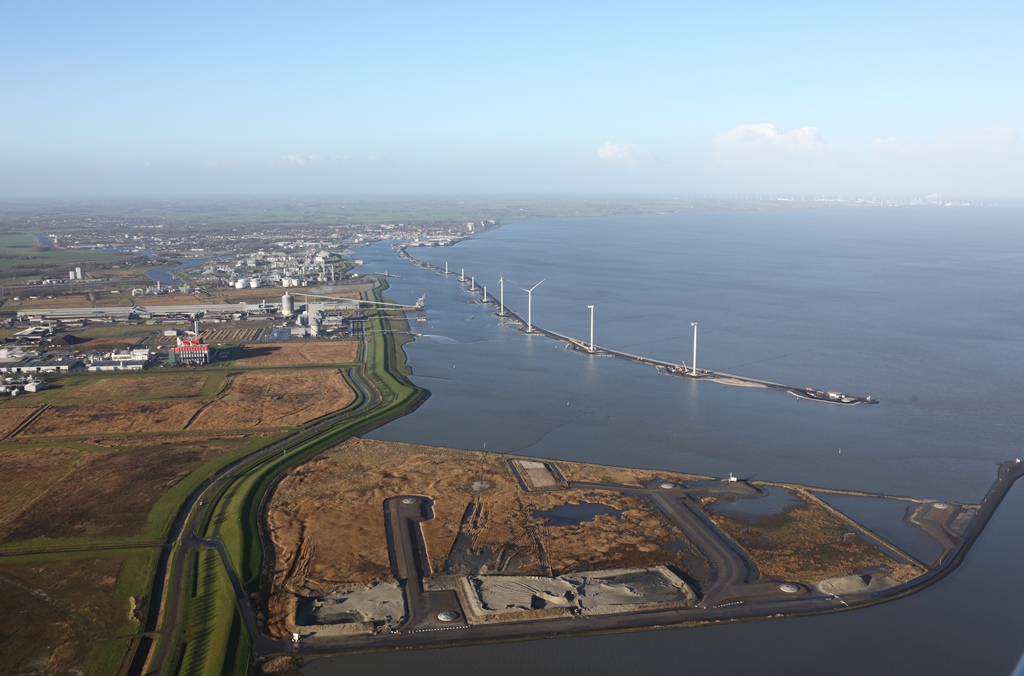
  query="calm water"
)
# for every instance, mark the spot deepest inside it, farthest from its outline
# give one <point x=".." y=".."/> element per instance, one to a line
<point x="920" y="308"/>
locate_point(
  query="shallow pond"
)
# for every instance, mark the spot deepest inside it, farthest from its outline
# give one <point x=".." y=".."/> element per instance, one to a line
<point x="574" y="515"/>
<point x="774" y="500"/>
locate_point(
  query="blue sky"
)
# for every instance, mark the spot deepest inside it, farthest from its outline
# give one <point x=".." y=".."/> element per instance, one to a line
<point x="318" y="97"/>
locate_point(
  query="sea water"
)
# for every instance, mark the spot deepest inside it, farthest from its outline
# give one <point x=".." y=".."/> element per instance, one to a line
<point x="918" y="307"/>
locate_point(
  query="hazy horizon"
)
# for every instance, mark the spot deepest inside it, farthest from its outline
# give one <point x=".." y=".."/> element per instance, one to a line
<point x="121" y="100"/>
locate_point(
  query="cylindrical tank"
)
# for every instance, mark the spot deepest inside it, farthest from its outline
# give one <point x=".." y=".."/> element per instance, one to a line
<point x="287" y="305"/>
<point x="254" y="283"/>
<point x="241" y="283"/>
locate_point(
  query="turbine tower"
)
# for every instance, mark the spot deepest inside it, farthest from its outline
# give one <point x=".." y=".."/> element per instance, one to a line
<point x="591" y="327"/>
<point x="529" y="306"/>
<point x="501" y="307"/>
<point x="694" y="325"/>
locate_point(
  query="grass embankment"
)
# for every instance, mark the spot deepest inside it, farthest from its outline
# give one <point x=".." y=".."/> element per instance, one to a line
<point x="382" y="394"/>
<point x="215" y="641"/>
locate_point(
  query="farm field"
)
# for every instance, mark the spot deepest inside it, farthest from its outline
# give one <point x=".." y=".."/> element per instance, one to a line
<point x="141" y="387"/>
<point x="11" y="417"/>
<point x="98" y="417"/>
<point x="74" y="615"/>
<point x="99" y="492"/>
<point x="275" y="398"/>
<point x="297" y="354"/>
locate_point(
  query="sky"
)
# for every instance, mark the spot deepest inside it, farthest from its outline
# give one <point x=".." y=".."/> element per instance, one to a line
<point x="868" y="98"/>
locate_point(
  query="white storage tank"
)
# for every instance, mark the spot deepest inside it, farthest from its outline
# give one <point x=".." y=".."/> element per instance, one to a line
<point x="254" y="283"/>
<point x="241" y="283"/>
<point x="287" y="305"/>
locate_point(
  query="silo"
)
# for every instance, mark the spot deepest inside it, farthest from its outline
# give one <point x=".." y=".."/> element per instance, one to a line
<point x="287" y="305"/>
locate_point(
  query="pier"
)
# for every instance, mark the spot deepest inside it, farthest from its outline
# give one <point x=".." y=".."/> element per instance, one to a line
<point x="666" y="367"/>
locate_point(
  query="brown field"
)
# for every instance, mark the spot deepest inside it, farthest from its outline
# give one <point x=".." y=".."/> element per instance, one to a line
<point x="627" y="476"/>
<point x="300" y="353"/>
<point x="10" y="418"/>
<point x="137" y="404"/>
<point x="140" y="387"/>
<point x="636" y="538"/>
<point x="103" y="417"/>
<point x="27" y="473"/>
<point x="180" y="438"/>
<point x="275" y="398"/>
<point x="213" y="336"/>
<point x="343" y="490"/>
<point x="809" y="543"/>
<point x="111" y="494"/>
<point x="59" y="614"/>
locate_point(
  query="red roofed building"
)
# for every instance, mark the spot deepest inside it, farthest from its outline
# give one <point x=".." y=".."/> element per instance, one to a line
<point x="191" y="351"/>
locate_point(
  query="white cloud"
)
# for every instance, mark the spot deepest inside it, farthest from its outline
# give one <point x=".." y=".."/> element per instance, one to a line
<point x="767" y="137"/>
<point x="763" y="157"/>
<point x="625" y="153"/>
<point x="298" y="160"/>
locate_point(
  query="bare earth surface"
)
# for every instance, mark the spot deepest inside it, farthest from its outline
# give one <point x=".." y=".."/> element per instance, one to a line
<point x="554" y="550"/>
<point x="27" y="473"/>
<point x="10" y="418"/>
<point x="251" y="399"/>
<point x="808" y="543"/>
<point x="64" y="610"/>
<point x="106" y="493"/>
<point x="275" y="398"/>
<point x="140" y="387"/>
<point x="113" y="416"/>
<point x="299" y="353"/>
<point x="343" y="491"/>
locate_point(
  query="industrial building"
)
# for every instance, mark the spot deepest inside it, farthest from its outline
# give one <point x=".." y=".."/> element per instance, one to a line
<point x="190" y="351"/>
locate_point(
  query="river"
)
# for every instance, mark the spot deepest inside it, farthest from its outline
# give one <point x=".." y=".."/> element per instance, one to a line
<point x="918" y="307"/>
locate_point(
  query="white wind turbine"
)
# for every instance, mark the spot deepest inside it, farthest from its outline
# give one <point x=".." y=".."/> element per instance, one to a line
<point x="529" y="306"/>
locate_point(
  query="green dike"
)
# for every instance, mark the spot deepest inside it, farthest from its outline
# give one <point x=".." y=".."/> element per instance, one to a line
<point x="237" y="510"/>
<point x="214" y="636"/>
<point x="382" y="394"/>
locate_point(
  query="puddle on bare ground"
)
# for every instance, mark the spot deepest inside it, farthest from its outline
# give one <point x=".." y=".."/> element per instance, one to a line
<point x="773" y="500"/>
<point x="575" y="514"/>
